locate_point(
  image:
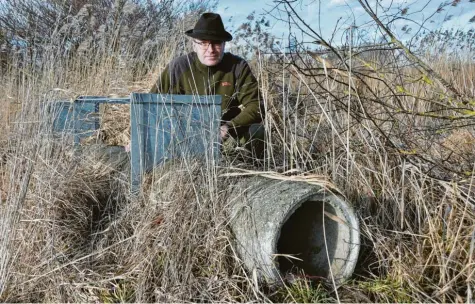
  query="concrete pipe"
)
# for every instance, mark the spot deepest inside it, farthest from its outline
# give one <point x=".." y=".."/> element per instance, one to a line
<point x="272" y="219"/>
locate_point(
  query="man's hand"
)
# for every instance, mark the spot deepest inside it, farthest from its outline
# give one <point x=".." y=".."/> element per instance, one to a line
<point x="224" y="131"/>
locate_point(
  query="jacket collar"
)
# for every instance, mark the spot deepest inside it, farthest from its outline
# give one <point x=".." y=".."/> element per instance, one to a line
<point x="204" y="68"/>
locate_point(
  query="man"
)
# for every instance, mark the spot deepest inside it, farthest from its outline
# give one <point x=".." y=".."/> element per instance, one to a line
<point x="208" y="70"/>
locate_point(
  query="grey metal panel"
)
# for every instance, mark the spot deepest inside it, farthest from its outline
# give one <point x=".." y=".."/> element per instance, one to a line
<point x="86" y="114"/>
<point x="162" y="126"/>
<point x="86" y="119"/>
<point x="172" y="126"/>
<point x="137" y="148"/>
<point x="102" y="99"/>
<point x="60" y="114"/>
<point x="80" y="117"/>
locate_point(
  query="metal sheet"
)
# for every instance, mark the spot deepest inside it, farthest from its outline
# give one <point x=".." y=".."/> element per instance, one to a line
<point x="163" y="126"/>
<point x="167" y="127"/>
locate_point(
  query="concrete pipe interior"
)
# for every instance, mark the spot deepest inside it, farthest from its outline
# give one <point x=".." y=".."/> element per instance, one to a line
<point x="303" y="233"/>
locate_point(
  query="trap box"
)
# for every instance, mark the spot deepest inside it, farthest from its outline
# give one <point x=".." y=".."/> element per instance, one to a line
<point x="162" y="126"/>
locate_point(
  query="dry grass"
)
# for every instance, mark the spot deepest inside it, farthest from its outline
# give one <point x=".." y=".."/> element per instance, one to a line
<point x="97" y="244"/>
<point x="406" y="212"/>
<point x="71" y="232"/>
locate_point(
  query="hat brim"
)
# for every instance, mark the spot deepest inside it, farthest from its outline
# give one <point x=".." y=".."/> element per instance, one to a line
<point x="209" y="36"/>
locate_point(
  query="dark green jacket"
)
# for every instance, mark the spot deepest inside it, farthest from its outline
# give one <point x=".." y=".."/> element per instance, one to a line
<point x="231" y="78"/>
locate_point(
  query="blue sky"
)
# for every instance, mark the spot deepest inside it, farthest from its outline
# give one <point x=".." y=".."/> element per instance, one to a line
<point x="234" y="13"/>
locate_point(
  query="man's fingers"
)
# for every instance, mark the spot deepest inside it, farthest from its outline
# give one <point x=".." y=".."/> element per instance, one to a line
<point x="224" y="131"/>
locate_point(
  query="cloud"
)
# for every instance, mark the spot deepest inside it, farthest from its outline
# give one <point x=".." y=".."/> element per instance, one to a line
<point x="348" y="10"/>
<point x="337" y="2"/>
<point x="461" y="21"/>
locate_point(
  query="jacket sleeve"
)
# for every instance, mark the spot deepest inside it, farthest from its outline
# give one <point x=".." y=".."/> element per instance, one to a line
<point x="249" y="97"/>
<point x="162" y="85"/>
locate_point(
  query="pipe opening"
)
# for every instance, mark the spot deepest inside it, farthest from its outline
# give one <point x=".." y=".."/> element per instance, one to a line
<point x="303" y="237"/>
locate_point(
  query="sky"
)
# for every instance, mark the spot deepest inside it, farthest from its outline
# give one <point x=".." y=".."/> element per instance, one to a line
<point x="235" y="12"/>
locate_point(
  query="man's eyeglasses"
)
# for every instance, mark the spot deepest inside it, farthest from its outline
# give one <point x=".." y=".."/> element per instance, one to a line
<point x="205" y="44"/>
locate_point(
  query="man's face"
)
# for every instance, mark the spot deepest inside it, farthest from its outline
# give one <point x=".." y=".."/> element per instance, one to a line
<point x="210" y="52"/>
